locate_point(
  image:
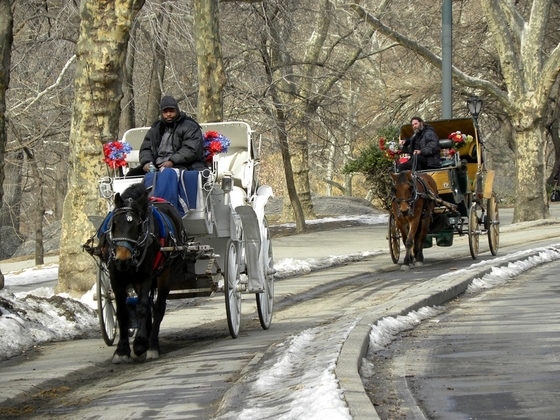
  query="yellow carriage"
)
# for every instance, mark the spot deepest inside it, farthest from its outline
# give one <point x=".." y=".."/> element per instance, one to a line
<point x="467" y="203"/>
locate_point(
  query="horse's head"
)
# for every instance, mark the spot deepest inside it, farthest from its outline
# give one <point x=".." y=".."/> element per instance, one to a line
<point x="405" y="193"/>
<point x="129" y="230"/>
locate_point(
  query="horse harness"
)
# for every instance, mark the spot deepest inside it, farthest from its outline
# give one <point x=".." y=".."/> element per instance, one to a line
<point x="415" y="194"/>
<point x="138" y="247"/>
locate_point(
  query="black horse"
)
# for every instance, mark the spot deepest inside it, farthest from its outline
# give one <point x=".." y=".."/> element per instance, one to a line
<point x="135" y="232"/>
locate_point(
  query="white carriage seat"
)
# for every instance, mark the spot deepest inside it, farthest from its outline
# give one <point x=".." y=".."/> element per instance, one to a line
<point x="236" y="162"/>
<point x="134" y="137"/>
<point x="197" y="220"/>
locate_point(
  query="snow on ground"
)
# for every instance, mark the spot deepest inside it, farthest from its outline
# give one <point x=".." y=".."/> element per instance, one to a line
<point x="31" y="318"/>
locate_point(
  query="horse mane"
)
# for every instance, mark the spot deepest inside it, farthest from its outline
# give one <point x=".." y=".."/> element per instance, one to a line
<point x="135" y="191"/>
<point x="135" y="196"/>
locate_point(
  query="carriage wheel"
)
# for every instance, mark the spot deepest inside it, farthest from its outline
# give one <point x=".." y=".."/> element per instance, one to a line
<point x="394" y="237"/>
<point x="265" y="299"/>
<point x="106" y="305"/>
<point x="232" y="288"/>
<point x="494" y="224"/>
<point x="474" y="231"/>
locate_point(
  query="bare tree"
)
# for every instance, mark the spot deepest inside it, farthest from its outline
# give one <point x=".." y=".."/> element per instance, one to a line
<point x="6" y="25"/>
<point x="211" y="75"/>
<point x="529" y="75"/>
<point x="101" y="54"/>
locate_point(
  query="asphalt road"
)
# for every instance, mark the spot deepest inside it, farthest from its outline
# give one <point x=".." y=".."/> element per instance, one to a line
<point x="200" y="364"/>
<point x="492" y="356"/>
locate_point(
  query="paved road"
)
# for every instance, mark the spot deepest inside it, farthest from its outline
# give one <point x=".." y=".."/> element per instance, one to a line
<point x="205" y="331"/>
<point x="495" y="355"/>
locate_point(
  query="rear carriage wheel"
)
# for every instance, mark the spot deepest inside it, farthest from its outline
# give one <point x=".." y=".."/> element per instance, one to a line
<point x="493" y="224"/>
<point x="394" y="237"/>
<point x="266" y="298"/>
<point x="106" y="305"/>
<point x="232" y="288"/>
<point x="474" y="231"/>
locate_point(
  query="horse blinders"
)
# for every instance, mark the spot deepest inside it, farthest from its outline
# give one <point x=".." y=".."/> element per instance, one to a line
<point x="127" y="236"/>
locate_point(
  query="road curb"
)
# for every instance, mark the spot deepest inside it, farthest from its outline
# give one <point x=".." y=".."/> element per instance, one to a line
<point x="430" y="293"/>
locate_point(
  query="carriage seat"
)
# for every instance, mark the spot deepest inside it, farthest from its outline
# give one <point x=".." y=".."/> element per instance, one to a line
<point x="134" y="137"/>
<point x="446" y="160"/>
<point x="236" y="162"/>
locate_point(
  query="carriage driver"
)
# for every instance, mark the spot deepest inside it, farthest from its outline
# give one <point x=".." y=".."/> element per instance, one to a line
<point x="423" y="145"/>
<point x="173" y="141"/>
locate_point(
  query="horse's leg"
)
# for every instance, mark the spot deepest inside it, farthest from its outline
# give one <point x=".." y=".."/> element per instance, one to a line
<point x="421" y="236"/>
<point x="143" y="314"/>
<point x="419" y="243"/>
<point x="406" y="232"/>
<point x="122" y="353"/>
<point x="411" y="242"/>
<point x="163" y="284"/>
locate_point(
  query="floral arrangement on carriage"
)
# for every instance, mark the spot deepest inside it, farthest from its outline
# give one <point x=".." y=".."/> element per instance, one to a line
<point x="115" y="154"/>
<point x="391" y="151"/>
<point x="214" y="143"/>
<point x="460" y="140"/>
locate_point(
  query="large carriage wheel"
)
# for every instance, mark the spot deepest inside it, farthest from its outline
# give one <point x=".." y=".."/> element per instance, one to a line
<point x="474" y="231"/>
<point x="265" y="299"/>
<point x="232" y="288"/>
<point x="394" y="237"/>
<point x="106" y="305"/>
<point x="493" y="224"/>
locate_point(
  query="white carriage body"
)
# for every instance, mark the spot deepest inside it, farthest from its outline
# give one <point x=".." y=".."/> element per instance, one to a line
<point x="219" y="216"/>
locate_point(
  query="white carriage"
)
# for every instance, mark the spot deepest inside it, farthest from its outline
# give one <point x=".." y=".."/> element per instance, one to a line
<point x="228" y="234"/>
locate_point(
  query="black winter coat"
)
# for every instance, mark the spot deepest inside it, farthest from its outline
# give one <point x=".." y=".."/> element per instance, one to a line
<point x="187" y="142"/>
<point x="427" y="141"/>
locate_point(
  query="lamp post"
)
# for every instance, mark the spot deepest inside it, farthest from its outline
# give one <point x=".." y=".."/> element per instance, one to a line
<point x="474" y="103"/>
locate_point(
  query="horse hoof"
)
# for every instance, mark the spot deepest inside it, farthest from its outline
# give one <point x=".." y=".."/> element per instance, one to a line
<point x="152" y="354"/>
<point x="405" y="267"/>
<point x="139" y="358"/>
<point x="418" y="264"/>
<point x="117" y="359"/>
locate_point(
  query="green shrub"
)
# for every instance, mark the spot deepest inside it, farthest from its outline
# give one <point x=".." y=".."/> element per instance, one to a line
<point x="373" y="163"/>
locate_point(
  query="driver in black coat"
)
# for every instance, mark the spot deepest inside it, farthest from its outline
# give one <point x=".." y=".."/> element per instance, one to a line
<point x="174" y="141"/>
<point x="422" y="146"/>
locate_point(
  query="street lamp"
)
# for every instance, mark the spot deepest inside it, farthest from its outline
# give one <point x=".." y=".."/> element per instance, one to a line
<point x="474" y="103"/>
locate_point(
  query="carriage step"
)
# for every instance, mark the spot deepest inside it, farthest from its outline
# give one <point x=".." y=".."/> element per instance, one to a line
<point x="190" y="293"/>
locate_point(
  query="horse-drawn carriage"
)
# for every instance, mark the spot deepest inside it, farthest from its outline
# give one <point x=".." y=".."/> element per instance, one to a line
<point x="463" y="203"/>
<point x="221" y="244"/>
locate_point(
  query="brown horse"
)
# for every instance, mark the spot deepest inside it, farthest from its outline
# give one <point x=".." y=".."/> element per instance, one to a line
<point x="412" y="206"/>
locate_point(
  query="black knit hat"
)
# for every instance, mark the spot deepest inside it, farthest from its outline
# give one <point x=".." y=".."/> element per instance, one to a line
<point x="169" y="102"/>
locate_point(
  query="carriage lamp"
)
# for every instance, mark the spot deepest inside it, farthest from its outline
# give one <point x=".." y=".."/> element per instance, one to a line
<point x="106" y="188"/>
<point x="227" y="186"/>
<point x="474" y="103"/>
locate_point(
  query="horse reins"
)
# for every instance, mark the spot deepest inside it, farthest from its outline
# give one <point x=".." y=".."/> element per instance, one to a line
<point x="135" y="246"/>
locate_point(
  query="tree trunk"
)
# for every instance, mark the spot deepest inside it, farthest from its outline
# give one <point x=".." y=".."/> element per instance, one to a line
<point x="6" y="38"/>
<point x="211" y="74"/>
<point x="128" y="107"/>
<point x="39" y="207"/>
<point x="10" y="212"/>
<point x="299" y="151"/>
<point x="296" y="208"/>
<point x="158" y="68"/>
<point x="530" y="173"/>
<point x="101" y="53"/>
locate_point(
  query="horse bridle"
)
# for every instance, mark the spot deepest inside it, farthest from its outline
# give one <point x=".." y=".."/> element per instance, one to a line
<point x="136" y="246"/>
<point x="414" y="194"/>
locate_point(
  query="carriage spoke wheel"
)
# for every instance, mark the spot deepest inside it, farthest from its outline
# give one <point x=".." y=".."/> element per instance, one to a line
<point x="232" y="288"/>
<point x="474" y="231"/>
<point x="106" y="305"/>
<point x="394" y="237"/>
<point x="266" y="298"/>
<point x="494" y="225"/>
